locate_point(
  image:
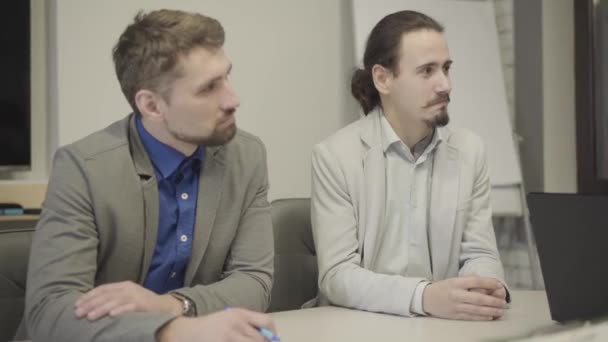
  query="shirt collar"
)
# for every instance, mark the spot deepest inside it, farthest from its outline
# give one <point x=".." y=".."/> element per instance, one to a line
<point x="165" y="158"/>
<point x="390" y="137"/>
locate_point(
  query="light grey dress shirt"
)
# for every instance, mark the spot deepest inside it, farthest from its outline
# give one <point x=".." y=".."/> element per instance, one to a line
<point x="405" y="247"/>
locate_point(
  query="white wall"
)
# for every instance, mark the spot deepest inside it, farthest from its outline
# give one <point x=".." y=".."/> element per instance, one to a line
<point x="292" y="62"/>
<point x="504" y="23"/>
<point x="293" y="100"/>
<point x="558" y="94"/>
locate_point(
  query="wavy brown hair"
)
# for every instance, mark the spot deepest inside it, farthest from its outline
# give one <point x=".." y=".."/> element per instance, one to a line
<point x="147" y="52"/>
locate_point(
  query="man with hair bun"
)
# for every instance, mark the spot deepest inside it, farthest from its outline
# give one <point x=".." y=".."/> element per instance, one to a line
<point x="400" y="203"/>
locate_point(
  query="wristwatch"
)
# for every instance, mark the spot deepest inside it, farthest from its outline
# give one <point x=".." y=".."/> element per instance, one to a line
<point x="188" y="306"/>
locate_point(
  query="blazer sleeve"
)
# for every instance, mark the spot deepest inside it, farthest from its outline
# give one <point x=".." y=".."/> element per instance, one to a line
<point x="247" y="277"/>
<point x="479" y="253"/>
<point x="342" y="278"/>
<point x="63" y="265"/>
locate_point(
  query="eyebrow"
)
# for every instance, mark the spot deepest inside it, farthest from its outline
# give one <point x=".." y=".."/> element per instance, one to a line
<point x="434" y="64"/>
<point x="215" y="79"/>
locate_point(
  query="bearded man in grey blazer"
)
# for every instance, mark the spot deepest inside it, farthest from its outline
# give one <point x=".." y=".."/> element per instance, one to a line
<point x="162" y="216"/>
<point x="401" y="204"/>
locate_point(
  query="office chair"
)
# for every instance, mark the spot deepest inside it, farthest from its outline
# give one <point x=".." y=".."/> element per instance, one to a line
<point x="295" y="264"/>
<point x="14" y="255"/>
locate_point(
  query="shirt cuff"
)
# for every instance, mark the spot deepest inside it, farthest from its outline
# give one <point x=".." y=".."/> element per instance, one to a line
<point x="416" y="304"/>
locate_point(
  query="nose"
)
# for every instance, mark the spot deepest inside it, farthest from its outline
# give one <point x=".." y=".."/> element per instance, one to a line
<point x="444" y="84"/>
<point x="230" y="99"/>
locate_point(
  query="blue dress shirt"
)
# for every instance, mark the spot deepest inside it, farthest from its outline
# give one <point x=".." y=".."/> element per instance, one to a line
<point x="177" y="180"/>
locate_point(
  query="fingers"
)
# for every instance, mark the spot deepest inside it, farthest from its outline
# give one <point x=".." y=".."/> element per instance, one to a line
<point x="99" y="290"/>
<point x="100" y="311"/>
<point x="469" y="317"/>
<point x="500" y="293"/>
<point x="478" y="306"/>
<point x="482" y="291"/>
<point x="480" y="299"/>
<point x="100" y="305"/>
<point x="252" y="334"/>
<point x="122" y="309"/>
<point x="87" y="297"/>
<point x="249" y="324"/>
<point x="481" y="311"/>
<point x="258" y="320"/>
<point x="98" y="302"/>
<point x="467" y="298"/>
<point x="85" y="308"/>
<point x="475" y="282"/>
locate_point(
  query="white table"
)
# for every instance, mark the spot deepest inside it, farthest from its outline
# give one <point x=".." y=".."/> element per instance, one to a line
<point x="529" y="311"/>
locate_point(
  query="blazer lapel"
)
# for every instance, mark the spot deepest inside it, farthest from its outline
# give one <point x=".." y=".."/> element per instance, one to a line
<point x="372" y="209"/>
<point x="149" y="216"/>
<point x="372" y="203"/>
<point x="444" y="200"/>
<point x="150" y="197"/>
<point x="210" y="186"/>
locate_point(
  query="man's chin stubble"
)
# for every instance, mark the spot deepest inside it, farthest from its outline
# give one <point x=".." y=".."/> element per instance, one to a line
<point x="221" y="138"/>
<point x="216" y="139"/>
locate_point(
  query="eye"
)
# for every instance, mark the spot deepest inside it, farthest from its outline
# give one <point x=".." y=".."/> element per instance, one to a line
<point x="208" y="88"/>
<point x="428" y="70"/>
<point x="446" y="68"/>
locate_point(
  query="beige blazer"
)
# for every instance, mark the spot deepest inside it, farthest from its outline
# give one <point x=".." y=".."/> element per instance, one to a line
<point x="99" y="224"/>
<point x="348" y="211"/>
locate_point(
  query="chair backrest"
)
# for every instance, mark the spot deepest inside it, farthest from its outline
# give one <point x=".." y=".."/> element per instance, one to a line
<point x="14" y="255"/>
<point x="295" y="263"/>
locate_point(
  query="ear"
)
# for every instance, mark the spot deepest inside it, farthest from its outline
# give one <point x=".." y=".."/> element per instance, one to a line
<point x="150" y="105"/>
<point x="382" y="78"/>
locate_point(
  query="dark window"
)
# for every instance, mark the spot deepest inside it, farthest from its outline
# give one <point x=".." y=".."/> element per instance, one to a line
<point x="15" y="84"/>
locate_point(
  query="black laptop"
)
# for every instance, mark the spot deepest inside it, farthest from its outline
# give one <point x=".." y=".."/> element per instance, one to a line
<point x="571" y="232"/>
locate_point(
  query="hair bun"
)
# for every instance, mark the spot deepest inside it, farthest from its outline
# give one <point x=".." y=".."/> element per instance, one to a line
<point x="363" y="89"/>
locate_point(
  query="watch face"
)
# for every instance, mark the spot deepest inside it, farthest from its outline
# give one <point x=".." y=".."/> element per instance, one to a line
<point x="189" y="308"/>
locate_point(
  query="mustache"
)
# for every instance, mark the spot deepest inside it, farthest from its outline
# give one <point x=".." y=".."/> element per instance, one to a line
<point x="230" y="111"/>
<point x="439" y="99"/>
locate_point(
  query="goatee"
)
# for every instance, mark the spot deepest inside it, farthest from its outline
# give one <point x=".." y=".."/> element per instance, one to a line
<point x="439" y="120"/>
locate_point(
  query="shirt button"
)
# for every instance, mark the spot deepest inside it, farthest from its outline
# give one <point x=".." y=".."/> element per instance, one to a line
<point x="173" y="274"/>
<point x="184" y="238"/>
<point x="184" y="196"/>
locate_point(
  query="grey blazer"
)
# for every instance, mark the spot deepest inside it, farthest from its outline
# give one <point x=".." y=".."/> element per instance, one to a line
<point x="99" y="224"/>
<point x="348" y="211"/>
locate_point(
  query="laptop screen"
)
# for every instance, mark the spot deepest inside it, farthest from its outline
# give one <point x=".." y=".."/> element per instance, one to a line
<point x="571" y="232"/>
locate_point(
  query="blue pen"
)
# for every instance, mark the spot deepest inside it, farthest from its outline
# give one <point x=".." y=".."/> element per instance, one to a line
<point x="265" y="332"/>
<point x="269" y="335"/>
